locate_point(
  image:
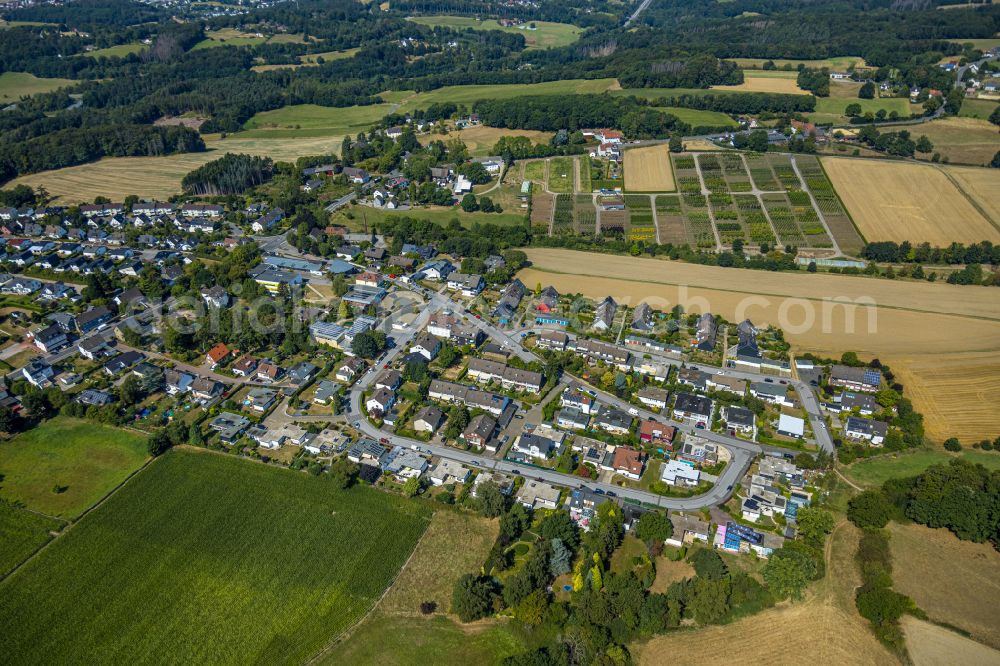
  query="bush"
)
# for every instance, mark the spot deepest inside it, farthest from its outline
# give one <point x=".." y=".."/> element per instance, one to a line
<point x="870" y="509"/>
<point x="952" y="444"/>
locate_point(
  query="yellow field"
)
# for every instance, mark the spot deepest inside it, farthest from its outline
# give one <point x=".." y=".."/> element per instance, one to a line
<point x="982" y="185"/>
<point x="481" y="139"/>
<point x="962" y="140"/>
<point x="955" y="392"/>
<point x="160" y="177"/>
<point x="915" y="202"/>
<point x="648" y="169"/>
<point x="953" y="581"/>
<point x="769" y="82"/>
<point x="943" y="340"/>
<point x="931" y="645"/>
<point x="825" y="628"/>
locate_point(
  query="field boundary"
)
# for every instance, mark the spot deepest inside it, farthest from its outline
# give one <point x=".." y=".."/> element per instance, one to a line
<point x="836" y="193"/>
<point x="975" y="204"/>
<point x="70" y="524"/>
<point x="375" y="604"/>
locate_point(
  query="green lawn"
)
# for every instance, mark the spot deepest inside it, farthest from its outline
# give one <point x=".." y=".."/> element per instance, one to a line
<point x="391" y="641"/>
<point x="831" y="109"/>
<point x="561" y="174"/>
<point x="15" y="85"/>
<point x="875" y="471"/>
<point x="86" y="460"/>
<point x="545" y="35"/>
<point x="981" y="44"/>
<point x="121" y="50"/>
<point x="205" y="558"/>
<point x="21" y="534"/>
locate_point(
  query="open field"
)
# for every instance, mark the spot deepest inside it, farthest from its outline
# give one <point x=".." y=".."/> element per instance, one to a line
<point x="21" y="534"/>
<point x="407" y="641"/>
<point x="668" y="572"/>
<point x="963" y="140"/>
<point x="772" y="81"/>
<point x="438" y="214"/>
<point x="699" y="118"/>
<point x="876" y="471"/>
<point x="915" y="325"/>
<point x="234" y="37"/>
<point x="409" y="100"/>
<point x="825" y="627"/>
<point x="209" y="559"/>
<point x="86" y="459"/>
<point x="838" y="62"/>
<point x="310" y="60"/>
<point x="931" y="645"/>
<point x="955" y="392"/>
<point x="481" y="139"/>
<point x="119" y="51"/>
<point x="15" y="85"/>
<point x="648" y="169"/>
<point x="978" y="108"/>
<point x="981" y="185"/>
<point x="831" y="109"/>
<point x="396" y="632"/>
<point x="545" y="35"/>
<point x="436" y="564"/>
<point x="160" y="177"/>
<point x="981" y="44"/>
<point x="953" y="581"/>
<point x="905" y="201"/>
<point x="315" y="120"/>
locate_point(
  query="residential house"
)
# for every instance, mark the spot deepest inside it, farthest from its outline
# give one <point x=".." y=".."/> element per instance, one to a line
<point x="268" y="221"/>
<point x="726" y="383"/>
<point x="49" y="338"/>
<point x="864" y="403"/>
<point x="215" y="297"/>
<point x="629" y="462"/>
<point x="791" y="426"/>
<point x="687" y="530"/>
<point x="572" y="419"/>
<point x="747" y="340"/>
<point x="596" y="350"/>
<point x="856" y="379"/>
<point x="695" y="409"/>
<point x="554" y="340"/>
<point x="504" y="481"/>
<point x="93" y="347"/>
<point x="205" y="389"/>
<point x="479" y="432"/>
<point x="776" y="394"/>
<point x="604" y="314"/>
<point x="429" y="419"/>
<point x="177" y="382"/>
<point x="707" y="332"/>
<point x="654" y="432"/>
<point x="260" y="399"/>
<point x="325" y="392"/>
<point x="356" y="176"/>
<point x="868" y="429"/>
<point x="576" y="398"/>
<point x="94" y="397"/>
<point x="538" y="495"/>
<point x="122" y="362"/>
<point x="301" y="372"/>
<point x="404" y="464"/>
<point x="678" y="473"/>
<point x="698" y="451"/>
<point x="349" y="369"/>
<point x="244" y="366"/>
<point x="390" y="379"/>
<point x="548" y="300"/>
<point x="217" y="354"/>
<point x="614" y="421"/>
<point x="642" y="317"/>
<point x="469" y="284"/>
<point x="38" y="372"/>
<point x="654" y="397"/>
<point x="380" y="402"/>
<point x="229" y="426"/>
<point x="740" y="419"/>
<point x="426" y="345"/>
<point x="93" y="319"/>
<point x="540" y="443"/>
<point x="367" y="451"/>
<point x="267" y="372"/>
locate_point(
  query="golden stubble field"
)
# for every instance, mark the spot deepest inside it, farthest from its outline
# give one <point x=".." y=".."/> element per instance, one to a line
<point x="767" y="82"/>
<point x="160" y="177"/>
<point x="943" y="340"/>
<point x="931" y="645"/>
<point x="824" y="628"/>
<point x="898" y="201"/>
<point x="648" y="169"/>
<point x="953" y="581"/>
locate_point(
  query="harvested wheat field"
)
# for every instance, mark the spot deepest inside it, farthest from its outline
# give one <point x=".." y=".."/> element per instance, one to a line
<point x="946" y="336"/>
<point x="931" y="645"/>
<point x="648" y="169"/>
<point x="481" y="139"/>
<point x="957" y="582"/>
<point x="160" y="177"/>
<point x="894" y="201"/>
<point x="955" y="392"/>
<point x="983" y="185"/>
<point x="767" y="82"/>
<point x="962" y="140"/>
<point x="825" y="628"/>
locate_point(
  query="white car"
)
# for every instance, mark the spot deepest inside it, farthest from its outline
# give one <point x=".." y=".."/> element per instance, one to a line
<point x="633" y="411"/>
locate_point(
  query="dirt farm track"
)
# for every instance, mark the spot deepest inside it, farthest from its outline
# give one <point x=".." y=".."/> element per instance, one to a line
<point x="943" y="340"/>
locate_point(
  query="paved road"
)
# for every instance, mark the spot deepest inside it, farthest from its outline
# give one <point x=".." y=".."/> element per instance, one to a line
<point x="635" y="14"/>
